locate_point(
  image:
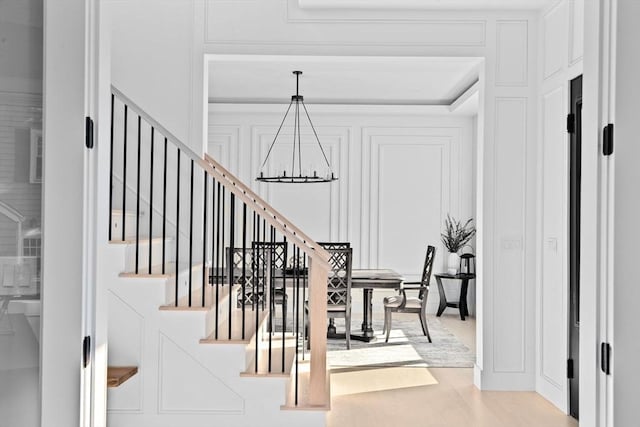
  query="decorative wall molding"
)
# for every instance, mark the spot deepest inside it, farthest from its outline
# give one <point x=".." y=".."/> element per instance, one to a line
<point x="435" y="32"/>
<point x="445" y="143"/>
<point x="175" y="362"/>
<point x="553" y="28"/>
<point x="554" y="285"/>
<point x="126" y="318"/>
<point x="509" y="246"/>
<point x="576" y="28"/>
<point x="512" y="53"/>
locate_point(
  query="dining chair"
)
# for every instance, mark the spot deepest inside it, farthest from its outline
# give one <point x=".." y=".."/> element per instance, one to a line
<point x="256" y="268"/>
<point x="403" y="304"/>
<point x="338" y="286"/>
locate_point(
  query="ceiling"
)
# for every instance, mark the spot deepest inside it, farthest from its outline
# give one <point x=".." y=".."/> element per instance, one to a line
<point x="341" y="80"/>
<point x="424" y="4"/>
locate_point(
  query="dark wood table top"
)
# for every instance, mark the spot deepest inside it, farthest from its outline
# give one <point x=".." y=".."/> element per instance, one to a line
<point x="375" y="278"/>
<point x="455" y="276"/>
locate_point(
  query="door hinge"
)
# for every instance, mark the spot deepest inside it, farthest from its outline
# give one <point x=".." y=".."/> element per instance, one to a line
<point x="605" y="358"/>
<point x="86" y="351"/>
<point x="88" y="132"/>
<point x="571" y="123"/>
<point x="607" y="140"/>
<point x="570" y="369"/>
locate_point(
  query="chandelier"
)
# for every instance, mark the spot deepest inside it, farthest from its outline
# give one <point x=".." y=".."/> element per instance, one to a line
<point x="296" y="174"/>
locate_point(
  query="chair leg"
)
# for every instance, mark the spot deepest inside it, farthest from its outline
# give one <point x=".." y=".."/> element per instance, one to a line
<point x="387" y="315"/>
<point x="347" y="327"/>
<point x="284" y="312"/>
<point x="423" y="322"/>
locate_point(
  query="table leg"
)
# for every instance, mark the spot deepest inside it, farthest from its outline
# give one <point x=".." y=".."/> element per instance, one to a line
<point x="367" y="321"/>
<point x="331" y="329"/>
<point x="462" y="305"/>
<point x="443" y="298"/>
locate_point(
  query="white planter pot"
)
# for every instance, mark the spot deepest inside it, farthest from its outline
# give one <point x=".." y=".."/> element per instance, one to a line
<point x="453" y="262"/>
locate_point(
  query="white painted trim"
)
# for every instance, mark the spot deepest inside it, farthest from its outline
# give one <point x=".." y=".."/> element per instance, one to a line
<point x="464" y="97"/>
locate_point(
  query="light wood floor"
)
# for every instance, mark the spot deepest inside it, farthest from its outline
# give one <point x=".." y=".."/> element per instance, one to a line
<point x="433" y="397"/>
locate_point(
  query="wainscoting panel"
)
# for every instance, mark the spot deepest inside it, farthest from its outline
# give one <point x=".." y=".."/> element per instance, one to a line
<point x="125" y="349"/>
<point x="554" y="28"/>
<point x="510" y="310"/>
<point x="512" y="53"/>
<point x="554" y="284"/>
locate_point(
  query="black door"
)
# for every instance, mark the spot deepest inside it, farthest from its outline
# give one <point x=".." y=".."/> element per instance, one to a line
<point x="575" y="138"/>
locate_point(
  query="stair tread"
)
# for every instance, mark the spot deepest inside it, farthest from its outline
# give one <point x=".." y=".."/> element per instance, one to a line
<point x="131" y="240"/>
<point x="156" y="270"/>
<point x="116" y="375"/>
<point x="236" y="328"/>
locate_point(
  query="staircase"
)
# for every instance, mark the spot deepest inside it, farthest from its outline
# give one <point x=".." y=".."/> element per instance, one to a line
<point x="197" y="291"/>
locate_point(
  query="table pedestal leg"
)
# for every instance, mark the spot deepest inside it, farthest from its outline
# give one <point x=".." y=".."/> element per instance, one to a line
<point x="367" y="321"/>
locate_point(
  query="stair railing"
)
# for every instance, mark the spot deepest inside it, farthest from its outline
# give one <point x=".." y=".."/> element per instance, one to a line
<point x="230" y="234"/>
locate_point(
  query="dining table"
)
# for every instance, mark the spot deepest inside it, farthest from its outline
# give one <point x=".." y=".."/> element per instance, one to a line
<point x="368" y="280"/>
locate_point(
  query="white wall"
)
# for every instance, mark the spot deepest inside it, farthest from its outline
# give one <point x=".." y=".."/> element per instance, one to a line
<point x="382" y="155"/>
<point x="561" y="41"/>
<point x="162" y="58"/>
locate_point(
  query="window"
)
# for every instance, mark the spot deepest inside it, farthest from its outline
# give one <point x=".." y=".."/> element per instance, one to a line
<point x="35" y="164"/>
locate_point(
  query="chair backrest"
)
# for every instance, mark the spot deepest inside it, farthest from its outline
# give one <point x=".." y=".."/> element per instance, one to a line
<point x="339" y="278"/>
<point x="428" y="266"/>
<point x="335" y="245"/>
<point x="255" y="266"/>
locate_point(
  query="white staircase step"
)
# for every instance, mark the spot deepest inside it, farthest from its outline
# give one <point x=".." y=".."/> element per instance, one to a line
<point x="272" y="367"/>
<point x="196" y="299"/>
<point x="117" y="221"/>
<point x="236" y="327"/>
<point x="169" y="271"/>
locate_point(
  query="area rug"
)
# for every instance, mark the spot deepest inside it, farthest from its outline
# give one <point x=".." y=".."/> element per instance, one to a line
<point x="407" y="346"/>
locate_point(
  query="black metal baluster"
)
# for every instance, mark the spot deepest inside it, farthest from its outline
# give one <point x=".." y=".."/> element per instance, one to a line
<point x="164" y="207"/>
<point x="268" y="258"/>
<point x="254" y="300"/>
<point x="218" y="259"/>
<point x="296" y="267"/>
<point x="204" y="238"/>
<point x="177" y="272"/>
<point x="232" y="235"/>
<point x="264" y="239"/>
<point x="124" y="172"/>
<point x="190" y="266"/>
<point x="111" y="171"/>
<point x="151" y="200"/>
<point x="244" y="264"/>
<point x="305" y="274"/>
<point x="138" y="195"/>
<point x="231" y="254"/>
<point x="284" y="296"/>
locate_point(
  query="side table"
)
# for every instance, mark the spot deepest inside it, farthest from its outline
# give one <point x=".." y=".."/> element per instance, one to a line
<point x="462" y="303"/>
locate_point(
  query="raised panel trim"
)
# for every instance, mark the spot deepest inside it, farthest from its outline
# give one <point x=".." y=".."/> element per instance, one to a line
<point x="545" y="19"/>
<point x="502" y="80"/>
<point x="232" y="135"/>
<point x="141" y="372"/>
<point x="369" y="237"/>
<point x="561" y="246"/>
<point x="572" y="23"/>
<point x="162" y="341"/>
<point x="519" y="241"/>
<point x="479" y="26"/>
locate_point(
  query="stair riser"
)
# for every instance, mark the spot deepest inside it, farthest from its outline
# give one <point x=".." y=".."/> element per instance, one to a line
<point x="129" y="224"/>
<point x="183" y="285"/>
<point x="143" y="254"/>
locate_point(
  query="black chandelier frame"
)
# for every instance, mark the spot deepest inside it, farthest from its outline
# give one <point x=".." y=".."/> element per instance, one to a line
<point x="296" y="157"/>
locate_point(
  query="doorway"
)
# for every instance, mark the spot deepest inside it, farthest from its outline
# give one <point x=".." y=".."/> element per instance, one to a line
<point x="575" y="152"/>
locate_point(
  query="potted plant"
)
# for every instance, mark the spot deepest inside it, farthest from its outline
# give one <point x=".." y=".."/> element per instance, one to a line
<point x="455" y="236"/>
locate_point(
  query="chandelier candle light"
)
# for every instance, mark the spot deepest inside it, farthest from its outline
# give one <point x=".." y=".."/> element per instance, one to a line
<point x="296" y="174"/>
